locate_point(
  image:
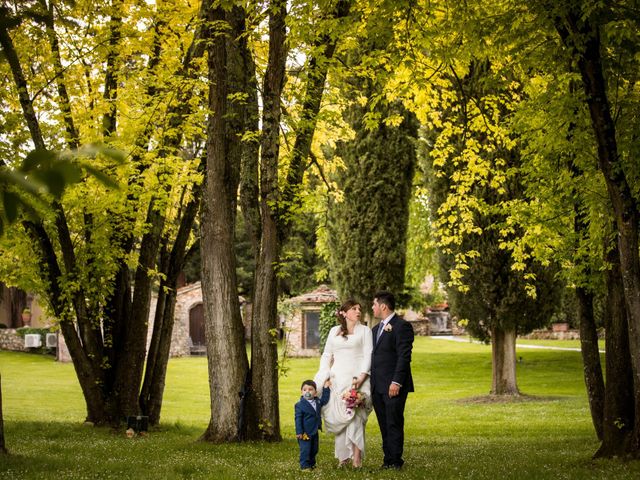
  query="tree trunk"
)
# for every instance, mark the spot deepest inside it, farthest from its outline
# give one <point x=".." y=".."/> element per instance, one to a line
<point x="619" y="414"/>
<point x="158" y="357"/>
<point x="65" y="104"/>
<point x="591" y="358"/>
<point x="50" y="270"/>
<point x="317" y="69"/>
<point x="156" y="371"/>
<point x="264" y="348"/>
<point x="583" y="38"/>
<point x="111" y="74"/>
<point x="223" y="324"/>
<point x="11" y="56"/>
<point x="503" y="362"/>
<point x="3" y="447"/>
<point x="152" y="390"/>
<point x="131" y="360"/>
<point x="242" y="77"/>
<point x="594" y="380"/>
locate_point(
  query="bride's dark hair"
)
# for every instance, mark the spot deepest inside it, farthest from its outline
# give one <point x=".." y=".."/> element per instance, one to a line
<point x="341" y="314"/>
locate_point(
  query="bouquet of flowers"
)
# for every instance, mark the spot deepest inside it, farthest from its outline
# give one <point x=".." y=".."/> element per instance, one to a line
<point x="352" y="398"/>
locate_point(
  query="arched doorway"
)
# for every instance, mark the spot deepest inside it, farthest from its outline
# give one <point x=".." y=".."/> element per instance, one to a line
<point x="196" y="330"/>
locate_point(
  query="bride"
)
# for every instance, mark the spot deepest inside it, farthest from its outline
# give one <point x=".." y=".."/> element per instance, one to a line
<point x="346" y="360"/>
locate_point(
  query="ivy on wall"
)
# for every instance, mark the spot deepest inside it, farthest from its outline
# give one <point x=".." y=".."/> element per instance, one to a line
<point x="328" y="319"/>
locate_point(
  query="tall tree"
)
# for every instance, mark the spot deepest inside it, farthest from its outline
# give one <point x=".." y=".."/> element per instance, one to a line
<point x="473" y="169"/>
<point x="266" y="203"/>
<point x="87" y="282"/>
<point x="368" y="227"/>
<point x="619" y="415"/>
<point x="264" y="366"/>
<point x="601" y="54"/>
<point x="580" y="31"/>
<point x="223" y="324"/>
<point x="368" y="215"/>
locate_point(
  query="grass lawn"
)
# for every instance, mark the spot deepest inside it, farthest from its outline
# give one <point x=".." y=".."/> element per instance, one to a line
<point x="546" y="343"/>
<point x="451" y="432"/>
<point x="556" y="343"/>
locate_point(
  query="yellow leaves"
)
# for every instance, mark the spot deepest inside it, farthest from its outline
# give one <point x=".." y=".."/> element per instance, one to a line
<point x="371" y="120"/>
<point x="393" y="120"/>
<point x="531" y="290"/>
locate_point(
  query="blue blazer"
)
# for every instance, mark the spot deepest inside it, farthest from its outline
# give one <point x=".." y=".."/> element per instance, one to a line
<point x="307" y="419"/>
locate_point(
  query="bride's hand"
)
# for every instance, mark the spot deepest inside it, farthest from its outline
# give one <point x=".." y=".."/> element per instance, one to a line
<point x="361" y="379"/>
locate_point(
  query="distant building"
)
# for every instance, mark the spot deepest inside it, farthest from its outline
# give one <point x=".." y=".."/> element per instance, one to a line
<point x="188" y="329"/>
<point x="303" y="325"/>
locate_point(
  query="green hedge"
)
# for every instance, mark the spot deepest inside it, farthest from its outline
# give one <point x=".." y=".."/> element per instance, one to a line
<point x="22" y="331"/>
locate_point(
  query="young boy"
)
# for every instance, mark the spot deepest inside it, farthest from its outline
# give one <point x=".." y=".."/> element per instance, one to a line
<point x="308" y="422"/>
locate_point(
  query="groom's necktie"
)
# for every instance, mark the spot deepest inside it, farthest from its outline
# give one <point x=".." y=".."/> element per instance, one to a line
<point x="380" y="330"/>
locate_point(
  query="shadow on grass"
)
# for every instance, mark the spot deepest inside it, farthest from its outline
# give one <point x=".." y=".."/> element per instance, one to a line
<point x="522" y="398"/>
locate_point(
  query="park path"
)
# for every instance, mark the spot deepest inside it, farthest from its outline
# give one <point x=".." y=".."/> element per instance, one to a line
<point x="453" y="338"/>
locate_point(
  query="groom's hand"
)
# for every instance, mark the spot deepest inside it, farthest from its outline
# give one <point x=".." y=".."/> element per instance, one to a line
<point x="394" y="390"/>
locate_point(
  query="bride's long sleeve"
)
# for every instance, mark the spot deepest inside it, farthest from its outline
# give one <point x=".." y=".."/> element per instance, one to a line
<point x="325" y="361"/>
<point x="367" y="349"/>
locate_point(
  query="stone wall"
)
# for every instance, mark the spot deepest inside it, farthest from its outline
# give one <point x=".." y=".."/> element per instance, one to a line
<point x="187" y="298"/>
<point x="551" y="335"/>
<point x="180" y="336"/>
<point x="10" y="340"/>
<point x="421" y="327"/>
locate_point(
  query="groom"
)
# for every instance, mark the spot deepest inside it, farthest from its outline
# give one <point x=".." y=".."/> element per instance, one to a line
<point x="391" y="379"/>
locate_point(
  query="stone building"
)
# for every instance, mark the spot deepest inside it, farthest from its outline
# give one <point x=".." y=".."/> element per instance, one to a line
<point x="188" y="328"/>
<point x="188" y="336"/>
<point x="188" y="303"/>
<point x="302" y="326"/>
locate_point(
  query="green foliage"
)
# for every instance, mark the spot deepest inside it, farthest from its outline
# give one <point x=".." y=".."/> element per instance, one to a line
<point x="300" y="261"/>
<point x="422" y="258"/>
<point x="328" y="320"/>
<point x="22" y="331"/>
<point x="44" y="175"/>
<point x="473" y="170"/>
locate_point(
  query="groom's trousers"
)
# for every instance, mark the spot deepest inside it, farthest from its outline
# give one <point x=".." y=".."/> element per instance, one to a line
<point x="390" y="414"/>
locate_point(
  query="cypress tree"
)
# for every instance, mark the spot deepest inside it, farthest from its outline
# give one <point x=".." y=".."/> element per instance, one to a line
<point x="368" y="226"/>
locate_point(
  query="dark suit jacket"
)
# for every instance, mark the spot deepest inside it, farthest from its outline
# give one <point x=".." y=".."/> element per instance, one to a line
<point x="308" y="420"/>
<point x="391" y="356"/>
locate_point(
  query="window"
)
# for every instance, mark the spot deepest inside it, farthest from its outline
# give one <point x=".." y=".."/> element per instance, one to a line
<point x="312" y="333"/>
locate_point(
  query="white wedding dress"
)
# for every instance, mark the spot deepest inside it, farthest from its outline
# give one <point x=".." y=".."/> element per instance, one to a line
<point x="342" y="359"/>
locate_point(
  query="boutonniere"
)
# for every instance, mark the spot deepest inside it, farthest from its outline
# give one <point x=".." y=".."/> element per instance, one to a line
<point x="388" y="327"/>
